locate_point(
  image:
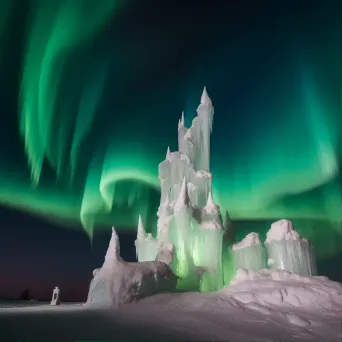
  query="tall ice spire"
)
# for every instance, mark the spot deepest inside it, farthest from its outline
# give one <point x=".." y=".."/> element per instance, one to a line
<point x="205" y="99"/>
<point x="113" y="251"/>
<point x="183" y="199"/>
<point x="205" y="112"/>
<point x="211" y="207"/>
<point x="181" y="122"/>
<point x="168" y="154"/>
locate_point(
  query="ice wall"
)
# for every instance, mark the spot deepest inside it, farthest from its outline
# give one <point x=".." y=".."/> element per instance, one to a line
<point x="249" y="253"/>
<point x="287" y="250"/>
<point x="207" y="254"/>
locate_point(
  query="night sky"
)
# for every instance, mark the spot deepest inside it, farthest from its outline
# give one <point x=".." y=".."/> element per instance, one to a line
<point x="91" y="96"/>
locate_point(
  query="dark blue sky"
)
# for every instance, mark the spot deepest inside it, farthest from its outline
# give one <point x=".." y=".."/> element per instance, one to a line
<point x="39" y="255"/>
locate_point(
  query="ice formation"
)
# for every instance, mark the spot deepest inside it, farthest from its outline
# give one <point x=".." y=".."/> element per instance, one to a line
<point x="287" y="250"/>
<point x="188" y="218"/>
<point x="249" y="253"/>
<point x="145" y="245"/>
<point x="190" y="232"/>
<point x="118" y="282"/>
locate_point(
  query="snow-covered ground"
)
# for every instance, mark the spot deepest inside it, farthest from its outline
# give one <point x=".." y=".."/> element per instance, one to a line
<point x="258" y="306"/>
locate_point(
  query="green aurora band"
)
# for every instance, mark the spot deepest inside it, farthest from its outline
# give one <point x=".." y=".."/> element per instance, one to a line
<point x="290" y="169"/>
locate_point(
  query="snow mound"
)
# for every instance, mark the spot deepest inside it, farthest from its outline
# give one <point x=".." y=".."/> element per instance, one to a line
<point x="119" y="282"/>
<point x="129" y="282"/>
<point x="272" y="288"/>
<point x="282" y="230"/>
<point x="251" y="239"/>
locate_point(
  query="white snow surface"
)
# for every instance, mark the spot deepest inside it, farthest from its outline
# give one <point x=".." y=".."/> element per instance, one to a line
<point x="260" y="306"/>
<point x="279" y="287"/>
<point x="251" y="239"/>
<point x="282" y="230"/>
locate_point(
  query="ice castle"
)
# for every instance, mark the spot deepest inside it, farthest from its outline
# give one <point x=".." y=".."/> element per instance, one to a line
<point x="189" y="227"/>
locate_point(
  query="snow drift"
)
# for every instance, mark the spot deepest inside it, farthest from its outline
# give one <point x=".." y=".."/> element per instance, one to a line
<point x="271" y="288"/>
<point x="119" y="282"/>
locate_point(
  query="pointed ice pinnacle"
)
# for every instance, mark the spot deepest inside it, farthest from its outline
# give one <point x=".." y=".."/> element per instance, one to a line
<point x="182" y="119"/>
<point x="183" y="199"/>
<point x="181" y="122"/>
<point x="205" y="99"/>
<point x="113" y="251"/>
<point x="141" y="230"/>
<point x="168" y="154"/>
<point x="211" y="206"/>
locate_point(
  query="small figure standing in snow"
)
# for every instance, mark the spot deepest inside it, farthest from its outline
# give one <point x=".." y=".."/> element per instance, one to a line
<point x="55" y="296"/>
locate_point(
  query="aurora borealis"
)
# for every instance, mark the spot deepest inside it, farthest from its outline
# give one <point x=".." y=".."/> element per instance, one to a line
<point x="92" y="92"/>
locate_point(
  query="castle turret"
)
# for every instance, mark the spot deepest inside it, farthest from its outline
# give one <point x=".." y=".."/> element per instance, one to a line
<point x="188" y="218"/>
<point x="287" y="250"/>
<point x="249" y="253"/>
<point x="181" y="133"/>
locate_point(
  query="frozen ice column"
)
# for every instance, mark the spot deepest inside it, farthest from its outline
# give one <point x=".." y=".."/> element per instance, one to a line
<point x="180" y="231"/>
<point x="207" y="251"/>
<point x="145" y="245"/>
<point x="287" y="250"/>
<point x="249" y="253"/>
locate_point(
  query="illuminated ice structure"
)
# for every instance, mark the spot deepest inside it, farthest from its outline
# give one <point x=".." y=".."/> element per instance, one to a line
<point x="249" y="253"/>
<point x="287" y="250"/>
<point x="119" y="282"/>
<point x="189" y="227"/>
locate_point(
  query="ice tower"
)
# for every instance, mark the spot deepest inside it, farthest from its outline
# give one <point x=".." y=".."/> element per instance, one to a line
<point x="249" y="253"/>
<point x="188" y="218"/>
<point x="287" y="250"/>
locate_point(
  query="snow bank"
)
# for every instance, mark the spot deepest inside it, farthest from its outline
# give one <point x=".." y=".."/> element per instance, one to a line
<point x="271" y="288"/>
<point x="119" y="282"/>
